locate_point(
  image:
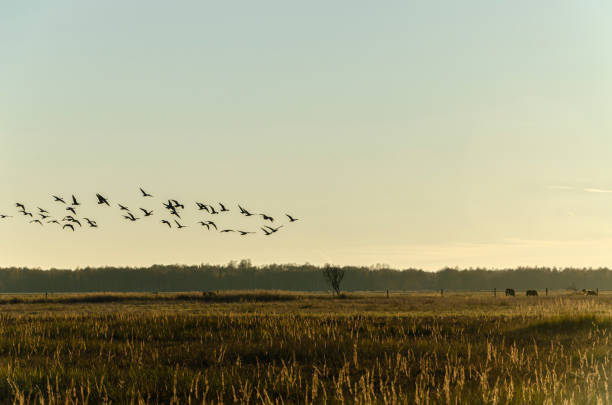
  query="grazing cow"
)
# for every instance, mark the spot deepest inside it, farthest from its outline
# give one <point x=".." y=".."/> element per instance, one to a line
<point x="589" y="292"/>
<point x="531" y="293"/>
<point x="510" y="291"/>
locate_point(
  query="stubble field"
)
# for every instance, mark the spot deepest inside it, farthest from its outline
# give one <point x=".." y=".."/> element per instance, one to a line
<point x="257" y="347"/>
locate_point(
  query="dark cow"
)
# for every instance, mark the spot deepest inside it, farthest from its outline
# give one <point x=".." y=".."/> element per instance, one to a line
<point x="589" y="292"/>
<point x="510" y="292"/>
<point x="531" y="293"/>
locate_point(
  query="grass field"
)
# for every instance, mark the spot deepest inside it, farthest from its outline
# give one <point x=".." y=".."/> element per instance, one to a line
<point x="257" y="347"/>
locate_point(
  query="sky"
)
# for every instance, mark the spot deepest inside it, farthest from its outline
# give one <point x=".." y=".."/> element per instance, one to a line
<point x="412" y="134"/>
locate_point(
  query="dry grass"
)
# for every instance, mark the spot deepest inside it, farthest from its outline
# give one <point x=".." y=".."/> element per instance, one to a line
<point x="254" y="347"/>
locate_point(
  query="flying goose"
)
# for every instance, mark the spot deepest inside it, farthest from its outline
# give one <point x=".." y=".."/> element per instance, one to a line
<point x="267" y="218"/>
<point x="244" y="212"/>
<point x="102" y="200"/>
<point x="131" y="217"/>
<point x="147" y="213"/>
<point x="272" y="230"/>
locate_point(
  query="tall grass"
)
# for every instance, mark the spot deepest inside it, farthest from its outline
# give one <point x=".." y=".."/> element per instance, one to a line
<point x="543" y="356"/>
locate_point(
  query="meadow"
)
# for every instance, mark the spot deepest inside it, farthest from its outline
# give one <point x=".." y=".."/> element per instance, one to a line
<point x="257" y="347"/>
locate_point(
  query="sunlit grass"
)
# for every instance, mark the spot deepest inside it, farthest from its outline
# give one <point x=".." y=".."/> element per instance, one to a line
<point x="251" y="347"/>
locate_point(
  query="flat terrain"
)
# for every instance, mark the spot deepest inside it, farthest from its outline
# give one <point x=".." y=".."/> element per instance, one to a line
<point x="278" y="347"/>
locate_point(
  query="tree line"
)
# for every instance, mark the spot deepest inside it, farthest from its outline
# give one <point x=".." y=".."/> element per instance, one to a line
<point x="295" y="277"/>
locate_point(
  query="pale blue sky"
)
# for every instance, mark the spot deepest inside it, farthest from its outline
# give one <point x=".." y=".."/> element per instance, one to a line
<point x="418" y="134"/>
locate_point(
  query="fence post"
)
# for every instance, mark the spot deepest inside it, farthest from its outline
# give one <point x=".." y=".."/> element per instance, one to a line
<point x="441" y="292"/>
<point x="547" y="291"/>
<point x="387" y="293"/>
<point x="597" y="291"/>
<point x="494" y="292"/>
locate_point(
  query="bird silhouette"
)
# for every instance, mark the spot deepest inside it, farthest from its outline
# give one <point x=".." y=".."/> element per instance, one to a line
<point x="172" y="208"/>
<point x="243" y="233"/>
<point x="144" y="193"/>
<point x="212" y="210"/>
<point x="273" y="229"/>
<point x="226" y="230"/>
<point x="36" y="221"/>
<point x="244" y="212"/>
<point x="211" y="223"/>
<point x="91" y="223"/>
<point x="178" y="204"/>
<point x="179" y="225"/>
<point x="267" y="218"/>
<point x="131" y="217"/>
<point x="2" y="216"/>
<point x="20" y="205"/>
<point x="266" y="232"/>
<point x="291" y="219"/>
<point x="71" y="210"/>
<point x="204" y="224"/>
<point x="202" y="207"/>
<point x="102" y="200"/>
<point x="59" y="199"/>
<point x="54" y="221"/>
<point x="223" y="209"/>
<point x="123" y="207"/>
<point x="74" y="200"/>
<point x="42" y="210"/>
<point x="147" y="213"/>
<point x="25" y="213"/>
<point x="68" y="226"/>
<point x="166" y="222"/>
<point x="43" y="216"/>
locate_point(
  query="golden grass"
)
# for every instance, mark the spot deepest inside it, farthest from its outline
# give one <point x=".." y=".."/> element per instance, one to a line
<point x="256" y="347"/>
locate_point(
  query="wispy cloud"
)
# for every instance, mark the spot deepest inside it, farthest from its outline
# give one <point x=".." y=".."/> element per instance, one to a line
<point x="505" y="253"/>
<point x="597" y="190"/>
<point x="588" y="190"/>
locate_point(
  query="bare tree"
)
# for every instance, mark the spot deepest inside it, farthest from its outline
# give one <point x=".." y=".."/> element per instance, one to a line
<point x="333" y="275"/>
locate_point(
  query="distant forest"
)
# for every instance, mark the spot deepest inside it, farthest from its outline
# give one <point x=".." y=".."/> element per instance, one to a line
<point x="243" y="275"/>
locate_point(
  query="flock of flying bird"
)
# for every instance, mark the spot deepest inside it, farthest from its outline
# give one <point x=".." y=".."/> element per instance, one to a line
<point x="174" y="209"/>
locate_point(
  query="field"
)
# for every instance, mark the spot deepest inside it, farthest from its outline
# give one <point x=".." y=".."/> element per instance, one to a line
<point x="258" y="347"/>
